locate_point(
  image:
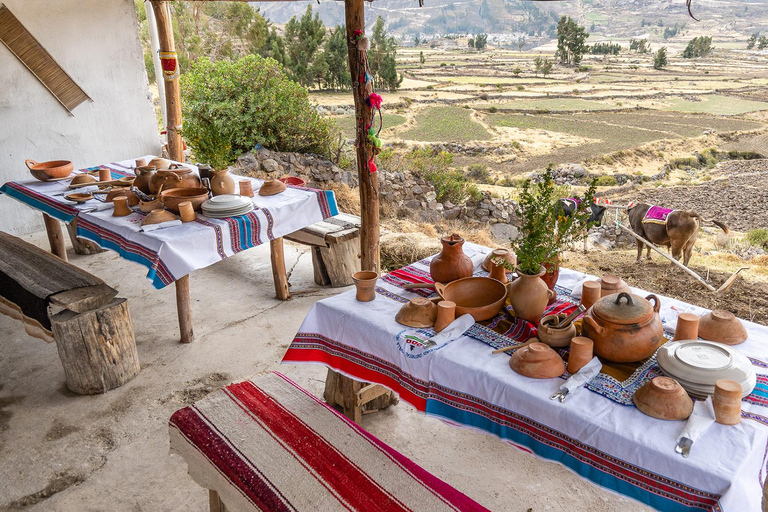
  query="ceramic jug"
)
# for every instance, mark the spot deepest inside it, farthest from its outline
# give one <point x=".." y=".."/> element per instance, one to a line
<point x="222" y="183"/>
<point x="528" y="296"/>
<point x="451" y="264"/>
<point x="143" y="177"/>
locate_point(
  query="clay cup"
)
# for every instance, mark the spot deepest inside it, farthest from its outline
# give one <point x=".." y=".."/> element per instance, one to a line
<point x="581" y="353"/>
<point x="446" y="313"/>
<point x="687" y="327"/>
<point x="590" y="293"/>
<point x="365" y="283"/>
<point x="727" y="402"/>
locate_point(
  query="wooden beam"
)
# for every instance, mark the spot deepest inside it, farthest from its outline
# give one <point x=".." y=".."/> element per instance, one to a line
<point x="172" y="90"/>
<point x="369" y="182"/>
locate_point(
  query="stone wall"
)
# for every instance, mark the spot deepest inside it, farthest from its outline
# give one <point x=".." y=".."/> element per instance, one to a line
<point x="274" y="164"/>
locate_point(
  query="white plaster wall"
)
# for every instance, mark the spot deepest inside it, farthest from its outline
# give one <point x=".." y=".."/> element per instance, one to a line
<point x="97" y="43"/>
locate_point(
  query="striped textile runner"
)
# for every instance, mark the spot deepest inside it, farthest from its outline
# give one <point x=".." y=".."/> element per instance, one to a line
<point x="267" y="444"/>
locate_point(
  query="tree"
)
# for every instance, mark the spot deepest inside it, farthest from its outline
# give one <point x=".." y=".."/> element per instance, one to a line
<point x="382" y="57"/>
<point x="546" y="67"/>
<point x="517" y="71"/>
<point x="698" y="47"/>
<point x="660" y="59"/>
<point x="471" y="42"/>
<point x="538" y="62"/>
<point x="751" y="41"/>
<point x="520" y="43"/>
<point x="336" y="57"/>
<point x="762" y="43"/>
<point x="417" y="40"/>
<point x="639" y="45"/>
<point x="303" y="39"/>
<point x="480" y="41"/>
<point x="422" y="60"/>
<point x="571" y="41"/>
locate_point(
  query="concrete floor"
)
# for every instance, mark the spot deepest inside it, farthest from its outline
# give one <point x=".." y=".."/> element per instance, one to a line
<point x="64" y="452"/>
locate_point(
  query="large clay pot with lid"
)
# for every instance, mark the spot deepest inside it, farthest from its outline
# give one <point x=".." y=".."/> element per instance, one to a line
<point x="625" y="327"/>
<point x="528" y="295"/>
<point x="176" y="176"/>
<point x="451" y="264"/>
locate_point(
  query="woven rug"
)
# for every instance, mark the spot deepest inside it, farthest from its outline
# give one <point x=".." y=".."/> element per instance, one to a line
<point x="267" y="444"/>
<point x="656" y="215"/>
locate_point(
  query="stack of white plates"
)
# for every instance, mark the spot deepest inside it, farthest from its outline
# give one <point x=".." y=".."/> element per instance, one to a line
<point x="227" y="205"/>
<point x="697" y="364"/>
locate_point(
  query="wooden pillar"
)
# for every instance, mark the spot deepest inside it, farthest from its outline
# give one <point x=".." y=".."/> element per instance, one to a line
<point x="369" y="183"/>
<point x="172" y="90"/>
<point x="184" y="309"/>
<point x="277" y="256"/>
<point x="55" y="236"/>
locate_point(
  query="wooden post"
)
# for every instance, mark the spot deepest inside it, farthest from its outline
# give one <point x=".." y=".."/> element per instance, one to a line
<point x="184" y="310"/>
<point x="81" y="245"/>
<point x="97" y="348"/>
<point x="55" y="236"/>
<point x="172" y="90"/>
<point x="369" y="183"/>
<point x="277" y="256"/>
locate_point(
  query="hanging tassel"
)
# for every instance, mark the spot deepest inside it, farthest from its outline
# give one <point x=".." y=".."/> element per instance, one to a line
<point x="364" y="44"/>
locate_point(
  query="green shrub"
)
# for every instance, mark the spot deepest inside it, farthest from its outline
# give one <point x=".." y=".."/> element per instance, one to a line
<point x="684" y="163"/>
<point x="230" y="106"/>
<point x="479" y="173"/>
<point x="443" y="64"/>
<point x="520" y="88"/>
<point x="758" y="237"/>
<point x="606" y="181"/>
<point x="452" y="185"/>
<point x="493" y="110"/>
<point x="430" y="87"/>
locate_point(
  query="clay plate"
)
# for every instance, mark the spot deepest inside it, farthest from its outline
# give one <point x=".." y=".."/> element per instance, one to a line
<point x="79" y="197"/>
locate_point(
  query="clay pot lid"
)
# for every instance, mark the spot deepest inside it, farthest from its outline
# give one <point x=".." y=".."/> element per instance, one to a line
<point x="611" y="282"/>
<point x="723" y="327"/>
<point x="271" y="187"/>
<point x="418" y="312"/>
<point x="452" y="239"/>
<point x="623" y="308"/>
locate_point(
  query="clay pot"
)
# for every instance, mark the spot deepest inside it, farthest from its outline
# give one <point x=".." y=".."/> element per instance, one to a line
<point x="174" y="177"/>
<point x="82" y="178"/>
<point x="529" y="295"/>
<point x="537" y="361"/>
<point x="665" y="399"/>
<point x="222" y="183"/>
<point x="294" y="181"/>
<point x="556" y="336"/>
<point x="508" y="255"/>
<point x="271" y="188"/>
<point x="590" y="293"/>
<point x="365" y="285"/>
<point x="172" y="198"/>
<point x="551" y="275"/>
<point x="687" y="327"/>
<point x="451" y="264"/>
<point x="727" y="402"/>
<point x="580" y="354"/>
<point x="140" y="162"/>
<point x="121" y="207"/>
<point x="46" y="171"/>
<point x="143" y="178"/>
<point x="132" y="198"/>
<point x="158" y="216"/>
<point x="148" y="206"/>
<point x="419" y="312"/>
<point x="624" y="327"/>
<point x="481" y="297"/>
<point x="610" y="284"/>
<point x="723" y="327"/>
<point x="446" y="314"/>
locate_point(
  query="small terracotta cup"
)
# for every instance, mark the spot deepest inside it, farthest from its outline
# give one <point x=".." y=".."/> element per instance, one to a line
<point x="186" y="211"/>
<point x="105" y="174"/>
<point x="498" y="272"/>
<point x="687" y="327"/>
<point x="246" y="188"/>
<point x="121" y="207"/>
<point x="141" y="162"/>
<point x="581" y="353"/>
<point x="590" y="293"/>
<point x="365" y="283"/>
<point x="446" y="313"/>
<point x="727" y="402"/>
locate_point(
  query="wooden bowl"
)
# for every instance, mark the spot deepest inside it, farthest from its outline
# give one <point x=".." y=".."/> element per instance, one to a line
<point x="537" y="361"/>
<point x="723" y="327"/>
<point x="83" y="178"/>
<point x="293" y="180"/>
<point x="271" y="187"/>
<point x="663" y="398"/>
<point x="51" y="170"/>
<point x="133" y="199"/>
<point x="419" y="312"/>
<point x="158" y="216"/>
<point x="172" y="198"/>
<point x="481" y="297"/>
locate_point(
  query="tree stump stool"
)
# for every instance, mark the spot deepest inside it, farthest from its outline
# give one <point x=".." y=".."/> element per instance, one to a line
<point x="356" y="398"/>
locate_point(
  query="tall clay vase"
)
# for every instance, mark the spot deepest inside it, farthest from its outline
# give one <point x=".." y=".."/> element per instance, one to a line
<point x="451" y="264"/>
<point x="529" y="295"/>
<point x="222" y="183"/>
<point x="551" y="274"/>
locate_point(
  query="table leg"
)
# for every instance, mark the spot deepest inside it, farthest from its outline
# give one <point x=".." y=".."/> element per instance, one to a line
<point x="55" y="236"/>
<point x="214" y="502"/>
<point x="184" y="310"/>
<point x="278" y="269"/>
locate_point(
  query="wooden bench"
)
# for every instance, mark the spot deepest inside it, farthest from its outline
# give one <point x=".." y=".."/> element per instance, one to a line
<point x="59" y="302"/>
<point x="335" y="248"/>
<point x="267" y="444"/>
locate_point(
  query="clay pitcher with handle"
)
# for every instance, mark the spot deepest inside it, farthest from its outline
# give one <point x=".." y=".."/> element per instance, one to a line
<point x="451" y="264"/>
<point x="528" y="295"/>
<point x="222" y="183"/>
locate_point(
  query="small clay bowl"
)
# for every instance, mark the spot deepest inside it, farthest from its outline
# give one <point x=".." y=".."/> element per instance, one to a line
<point x="159" y="163"/>
<point x="723" y="327"/>
<point x="271" y="187"/>
<point x="537" y="361"/>
<point x="663" y="398"/>
<point x="79" y="197"/>
<point x="419" y="312"/>
<point x="52" y="170"/>
<point x="294" y="181"/>
<point x="556" y="336"/>
<point x="148" y="206"/>
<point x="172" y="198"/>
<point x="508" y="255"/>
<point x="132" y="198"/>
<point x="610" y="284"/>
<point x="83" y="178"/>
<point x="158" y="216"/>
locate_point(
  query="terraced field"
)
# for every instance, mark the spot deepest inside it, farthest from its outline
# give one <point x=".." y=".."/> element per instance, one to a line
<point x="440" y="124"/>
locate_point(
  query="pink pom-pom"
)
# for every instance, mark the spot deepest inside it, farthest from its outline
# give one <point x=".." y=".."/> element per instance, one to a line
<point x="375" y="100"/>
<point x="372" y="166"/>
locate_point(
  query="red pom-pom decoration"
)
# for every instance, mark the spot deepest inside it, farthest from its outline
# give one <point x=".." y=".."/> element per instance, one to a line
<point x="372" y="166"/>
<point x="374" y="100"/>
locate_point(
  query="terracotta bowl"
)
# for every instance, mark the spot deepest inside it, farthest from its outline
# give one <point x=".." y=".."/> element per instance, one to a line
<point x="159" y="163"/>
<point x="148" y="206"/>
<point x="172" y="198"/>
<point x="271" y="187"/>
<point x="133" y="199"/>
<point x="610" y="284"/>
<point x="83" y="178"/>
<point x="507" y="254"/>
<point x="723" y="327"/>
<point x="663" y="398"/>
<point x="158" y="216"/>
<point x="419" y="312"/>
<point x="79" y="197"/>
<point x="481" y="297"/>
<point x="556" y="336"/>
<point x="46" y="171"/>
<point x="537" y="361"/>
<point x="294" y="180"/>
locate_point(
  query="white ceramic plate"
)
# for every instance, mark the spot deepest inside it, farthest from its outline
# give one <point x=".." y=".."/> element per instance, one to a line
<point x="226" y="202"/>
<point x="225" y="214"/>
